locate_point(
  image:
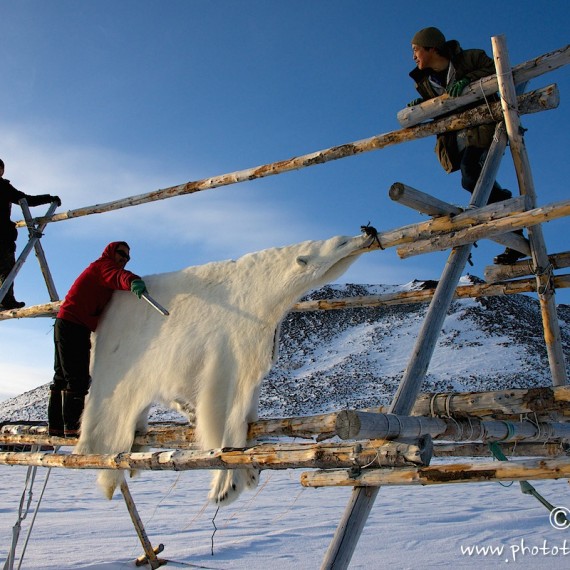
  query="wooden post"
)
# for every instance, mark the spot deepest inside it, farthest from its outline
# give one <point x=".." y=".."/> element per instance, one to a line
<point x="526" y="184"/>
<point x="149" y="551"/>
<point x="348" y="532"/>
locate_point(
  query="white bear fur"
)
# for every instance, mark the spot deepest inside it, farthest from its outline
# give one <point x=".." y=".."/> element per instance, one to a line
<point x="208" y="357"/>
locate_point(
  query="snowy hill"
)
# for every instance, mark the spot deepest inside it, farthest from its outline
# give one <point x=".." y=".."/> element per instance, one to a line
<point x="355" y="358"/>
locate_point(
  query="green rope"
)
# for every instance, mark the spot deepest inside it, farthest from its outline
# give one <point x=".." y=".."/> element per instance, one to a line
<point x="526" y="487"/>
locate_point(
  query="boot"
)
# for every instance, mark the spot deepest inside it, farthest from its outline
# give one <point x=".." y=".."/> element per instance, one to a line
<point x="72" y="409"/>
<point x="508" y="257"/>
<point x="55" y="413"/>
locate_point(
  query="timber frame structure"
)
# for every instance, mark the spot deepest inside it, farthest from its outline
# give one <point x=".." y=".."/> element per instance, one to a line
<point x="391" y="446"/>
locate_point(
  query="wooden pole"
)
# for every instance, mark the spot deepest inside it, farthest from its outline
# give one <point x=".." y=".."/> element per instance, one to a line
<point x="484" y="229"/>
<point x="534" y="102"/>
<point x="432" y="206"/>
<point x="424" y="296"/>
<point x="357" y="425"/>
<point x="515" y="449"/>
<point x="486" y="86"/>
<point x="502" y="404"/>
<point x="265" y="456"/>
<point x="494" y="273"/>
<point x="149" y="551"/>
<point x="526" y="184"/>
<point x="352" y="523"/>
<point x="518" y="470"/>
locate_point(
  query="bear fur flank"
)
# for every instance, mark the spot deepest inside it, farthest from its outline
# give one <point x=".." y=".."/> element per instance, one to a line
<point x="208" y="356"/>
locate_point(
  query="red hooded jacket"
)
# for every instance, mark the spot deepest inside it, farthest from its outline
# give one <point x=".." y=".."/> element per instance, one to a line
<point x="92" y="290"/>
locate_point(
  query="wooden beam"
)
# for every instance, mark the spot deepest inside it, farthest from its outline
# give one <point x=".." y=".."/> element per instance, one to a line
<point x="486" y="86"/>
<point x="546" y="293"/>
<point x="516" y="449"/>
<point x="517" y="470"/>
<point x="358" y="425"/>
<point x="265" y="456"/>
<point x="494" y="273"/>
<point x="534" y="102"/>
<point x="483" y="230"/>
<point x="427" y="204"/>
<point x="424" y="296"/>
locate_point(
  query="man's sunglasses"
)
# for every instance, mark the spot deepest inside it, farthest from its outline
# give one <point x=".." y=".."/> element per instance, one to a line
<point x="123" y="254"/>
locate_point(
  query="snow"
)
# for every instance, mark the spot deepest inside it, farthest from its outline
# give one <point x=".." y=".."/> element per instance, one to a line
<point x="328" y="361"/>
<point x="281" y="525"/>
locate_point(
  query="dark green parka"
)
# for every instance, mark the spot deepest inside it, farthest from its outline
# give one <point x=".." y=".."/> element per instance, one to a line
<point x="472" y="64"/>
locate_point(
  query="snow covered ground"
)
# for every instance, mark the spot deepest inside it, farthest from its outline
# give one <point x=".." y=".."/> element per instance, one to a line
<point x="282" y="525"/>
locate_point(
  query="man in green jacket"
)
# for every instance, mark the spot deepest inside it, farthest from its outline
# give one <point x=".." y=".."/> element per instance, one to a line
<point x="443" y="67"/>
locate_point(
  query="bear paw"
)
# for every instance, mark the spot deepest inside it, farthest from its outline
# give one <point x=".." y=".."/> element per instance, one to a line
<point x="108" y="481"/>
<point x="227" y="485"/>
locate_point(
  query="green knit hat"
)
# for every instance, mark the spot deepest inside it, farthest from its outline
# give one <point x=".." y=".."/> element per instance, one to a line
<point x="429" y="37"/>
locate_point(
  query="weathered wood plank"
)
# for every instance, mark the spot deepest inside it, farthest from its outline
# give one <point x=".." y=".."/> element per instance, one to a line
<point x="357" y="425"/>
<point x="483" y="230"/>
<point x="517" y="449"/>
<point x="265" y="456"/>
<point x="516" y="470"/>
<point x="494" y="273"/>
<point x="426" y="204"/>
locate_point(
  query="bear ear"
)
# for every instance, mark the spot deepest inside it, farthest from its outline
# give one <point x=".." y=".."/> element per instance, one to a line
<point x="302" y="260"/>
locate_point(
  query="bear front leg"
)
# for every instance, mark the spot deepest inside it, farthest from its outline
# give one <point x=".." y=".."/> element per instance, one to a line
<point x="228" y="484"/>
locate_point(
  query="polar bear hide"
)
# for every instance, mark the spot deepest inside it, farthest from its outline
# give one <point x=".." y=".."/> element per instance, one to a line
<point x="210" y="354"/>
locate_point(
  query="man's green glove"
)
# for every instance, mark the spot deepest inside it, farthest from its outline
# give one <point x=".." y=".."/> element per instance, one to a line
<point x="415" y="102"/>
<point x="457" y="87"/>
<point x="138" y="287"/>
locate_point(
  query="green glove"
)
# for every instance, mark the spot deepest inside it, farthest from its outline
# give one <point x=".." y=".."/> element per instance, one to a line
<point x="138" y="287"/>
<point x="415" y="102"/>
<point x="457" y="87"/>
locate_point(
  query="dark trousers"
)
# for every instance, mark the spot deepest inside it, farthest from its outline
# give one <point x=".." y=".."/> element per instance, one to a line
<point x="7" y="262"/>
<point x="72" y="355"/>
<point x="71" y="378"/>
<point x="472" y="160"/>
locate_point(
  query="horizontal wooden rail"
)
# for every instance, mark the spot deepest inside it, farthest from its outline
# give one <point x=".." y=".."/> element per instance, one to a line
<point x="266" y="456"/>
<point x="485" y="229"/>
<point x="425" y="295"/>
<point x="517" y="470"/>
<point x="534" y="102"/>
<point x="357" y="425"/>
<point x="494" y="273"/>
<point x="516" y="449"/>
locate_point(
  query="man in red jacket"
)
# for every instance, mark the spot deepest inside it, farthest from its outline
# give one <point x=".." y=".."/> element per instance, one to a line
<point x="77" y="318"/>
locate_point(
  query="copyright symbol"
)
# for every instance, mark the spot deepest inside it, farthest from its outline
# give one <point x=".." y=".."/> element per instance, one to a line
<point x="559" y="518"/>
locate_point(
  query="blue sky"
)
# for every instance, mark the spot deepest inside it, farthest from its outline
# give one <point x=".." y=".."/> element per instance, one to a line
<point x="103" y="99"/>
